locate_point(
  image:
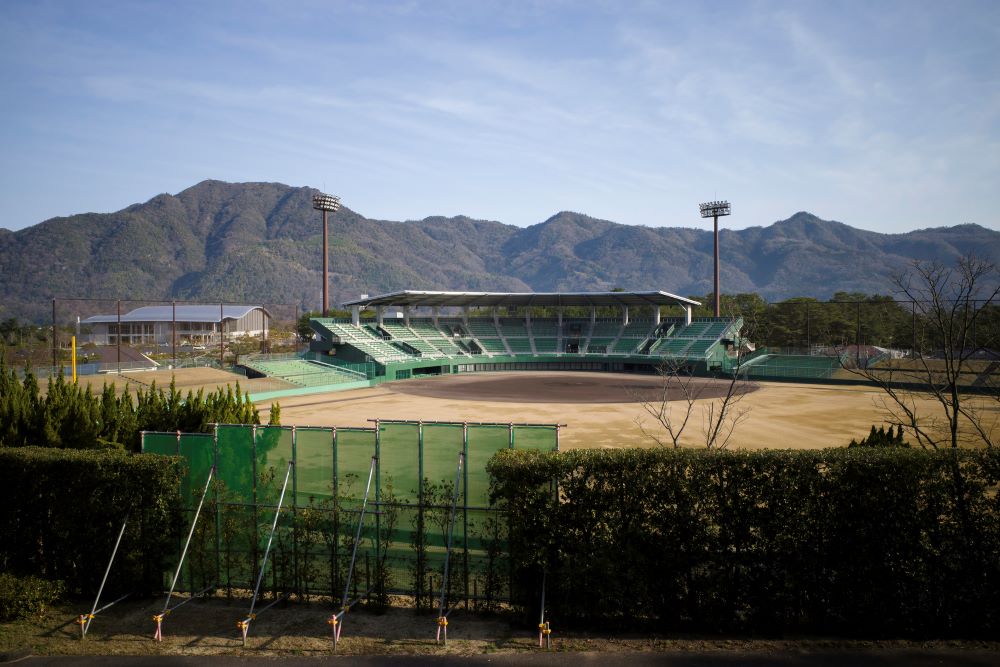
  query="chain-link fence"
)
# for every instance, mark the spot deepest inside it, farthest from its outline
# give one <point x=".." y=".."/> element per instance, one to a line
<point x="117" y="335"/>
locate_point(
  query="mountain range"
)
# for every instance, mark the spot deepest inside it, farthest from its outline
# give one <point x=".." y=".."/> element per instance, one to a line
<point x="260" y="243"/>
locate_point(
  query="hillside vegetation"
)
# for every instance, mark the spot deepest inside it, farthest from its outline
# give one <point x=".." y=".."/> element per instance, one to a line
<point x="260" y="242"/>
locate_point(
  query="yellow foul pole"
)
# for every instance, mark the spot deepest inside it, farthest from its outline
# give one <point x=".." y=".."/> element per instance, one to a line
<point x="73" y="345"/>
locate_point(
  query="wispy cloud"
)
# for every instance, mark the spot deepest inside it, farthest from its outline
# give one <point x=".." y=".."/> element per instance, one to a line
<point x="425" y="107"/>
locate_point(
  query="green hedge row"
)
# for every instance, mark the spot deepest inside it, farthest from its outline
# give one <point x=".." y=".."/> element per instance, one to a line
<point x="27" y="596"/>
<point x="864" y="542"/>
<point x="62" y="510"/>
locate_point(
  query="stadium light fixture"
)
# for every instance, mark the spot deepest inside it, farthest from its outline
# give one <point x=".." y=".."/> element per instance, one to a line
<point x="715" y="210"/>
<point x="326" y="203"/>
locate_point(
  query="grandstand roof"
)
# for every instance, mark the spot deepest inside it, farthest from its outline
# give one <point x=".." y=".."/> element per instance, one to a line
<point x="184" y="314"/>
<point x="415" y="298"/>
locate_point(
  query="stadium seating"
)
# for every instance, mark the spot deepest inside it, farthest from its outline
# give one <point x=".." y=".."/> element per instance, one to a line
<point x="793" y="366"/>
<point x="694" y="341"/>
<point x="546" y="328"/>
<point x="626" y="345"/>
<point x="700" y="347"/>
<point x="494" y="345"/>
<point x="519" y="345"/>
<point x="546" y="345"/>
<point x="305" y="373"/>
<point x="606" y="329"/>
<point x="363" y="339"/>
<point x="693" y="330"/>
<point x="480" y="328"/>
<point x="453" y="338"/>
<point x="598" y="345"/>
<point x="513" y="328"/>
<point x="637" y="329"/>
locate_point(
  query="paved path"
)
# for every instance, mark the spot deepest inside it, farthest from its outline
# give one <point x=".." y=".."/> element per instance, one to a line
<point x="875" y="658"/>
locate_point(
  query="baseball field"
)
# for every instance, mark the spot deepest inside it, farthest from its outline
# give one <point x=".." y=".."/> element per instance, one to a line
<point x="605" y="410"/>
<point x="598" y="409"/>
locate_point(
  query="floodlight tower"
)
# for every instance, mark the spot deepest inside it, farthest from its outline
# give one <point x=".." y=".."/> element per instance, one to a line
<point x="326" y="203"/>
<point x="715" y="209"/>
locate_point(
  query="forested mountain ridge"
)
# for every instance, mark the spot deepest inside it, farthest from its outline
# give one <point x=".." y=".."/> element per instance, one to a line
<point x="260" y="243"/>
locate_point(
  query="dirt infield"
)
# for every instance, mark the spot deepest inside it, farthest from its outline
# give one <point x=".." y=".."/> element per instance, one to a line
<point x="783" y="415"/>
<point x="565" y="388"/>
<point x="184" y="379"/>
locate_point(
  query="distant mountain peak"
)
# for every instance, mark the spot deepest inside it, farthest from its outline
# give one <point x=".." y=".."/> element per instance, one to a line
<point x="260" y="242"/>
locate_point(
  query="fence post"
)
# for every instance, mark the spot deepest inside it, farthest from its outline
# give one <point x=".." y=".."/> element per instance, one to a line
<point x="55" y="361"/>
<point x="808" y="336"/>
<point x="421" y="528"/>
<point x="465" y="514"/>
<point x="378" y="504"/>
<point x="255" y="548"/>
<point x="222" y="345"/>
<point x="297" y="582"/>
<point x="857" y="339"/>
<point x="173" y="330"/>
<point x="335" y="555"/>
<point x="119" y="337"/>
<point x="218" y="510"/>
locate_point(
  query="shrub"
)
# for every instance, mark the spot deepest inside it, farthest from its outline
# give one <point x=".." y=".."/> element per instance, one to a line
<point x="63" y="510"/>
<point x="865" y="541"/>
<point x="73" y="417"/>
<point x="880" y="438"/>
<point x="26" y="597"/>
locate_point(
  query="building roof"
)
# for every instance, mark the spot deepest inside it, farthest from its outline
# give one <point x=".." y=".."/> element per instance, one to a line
<point x="413" y="298"/>
<point x="184" y="313"/>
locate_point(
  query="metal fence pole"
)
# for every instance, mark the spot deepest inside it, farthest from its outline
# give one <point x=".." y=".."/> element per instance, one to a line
<point x="173" y="329"/>
<point x="254" y="550"/>
<point x="222" y="347"/>
<point x="295" y="507"/>
<point x="378" y="495"/>
<point x="218" y="509"/>
<point x="54" y="338"/>
<point x="465" y="515"/>
<point x="114" y="552"/>
<point x="808" y="336"/>
<point x="119" y="337"/>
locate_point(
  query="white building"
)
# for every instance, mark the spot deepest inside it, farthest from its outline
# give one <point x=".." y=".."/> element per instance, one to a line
<point x="194" y="324"/>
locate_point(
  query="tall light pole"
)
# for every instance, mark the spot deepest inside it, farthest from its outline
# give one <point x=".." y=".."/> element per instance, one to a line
<point x="715" y="209"/>
<point x="326" y="203"/>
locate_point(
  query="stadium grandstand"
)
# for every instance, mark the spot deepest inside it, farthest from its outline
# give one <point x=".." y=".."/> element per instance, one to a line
<point x="415" y="333"/>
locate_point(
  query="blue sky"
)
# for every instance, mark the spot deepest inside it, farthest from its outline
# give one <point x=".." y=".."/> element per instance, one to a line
<point x="884" y="115"/>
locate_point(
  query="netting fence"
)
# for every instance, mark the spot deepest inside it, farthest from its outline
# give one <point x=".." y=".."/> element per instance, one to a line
<point x="404" y="533"/>
<point x="122" y="335"/>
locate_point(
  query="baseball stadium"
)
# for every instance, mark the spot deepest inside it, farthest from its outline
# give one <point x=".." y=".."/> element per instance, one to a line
<point x="369" y="466"/>
<point x="588" y="360"/>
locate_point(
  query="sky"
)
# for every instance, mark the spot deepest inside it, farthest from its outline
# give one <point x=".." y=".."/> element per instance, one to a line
<point x="884" y="115"/>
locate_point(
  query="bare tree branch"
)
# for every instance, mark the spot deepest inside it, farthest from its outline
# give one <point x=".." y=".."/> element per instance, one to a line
<point x="948" y="304"/>
<point x="681" y="395"/>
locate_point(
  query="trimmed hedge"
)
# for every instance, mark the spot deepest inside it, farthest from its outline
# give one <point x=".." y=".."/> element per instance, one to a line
<point x="62" y="509"/>
<point x="863" y="542"/>
<point x="26" y="597"/>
